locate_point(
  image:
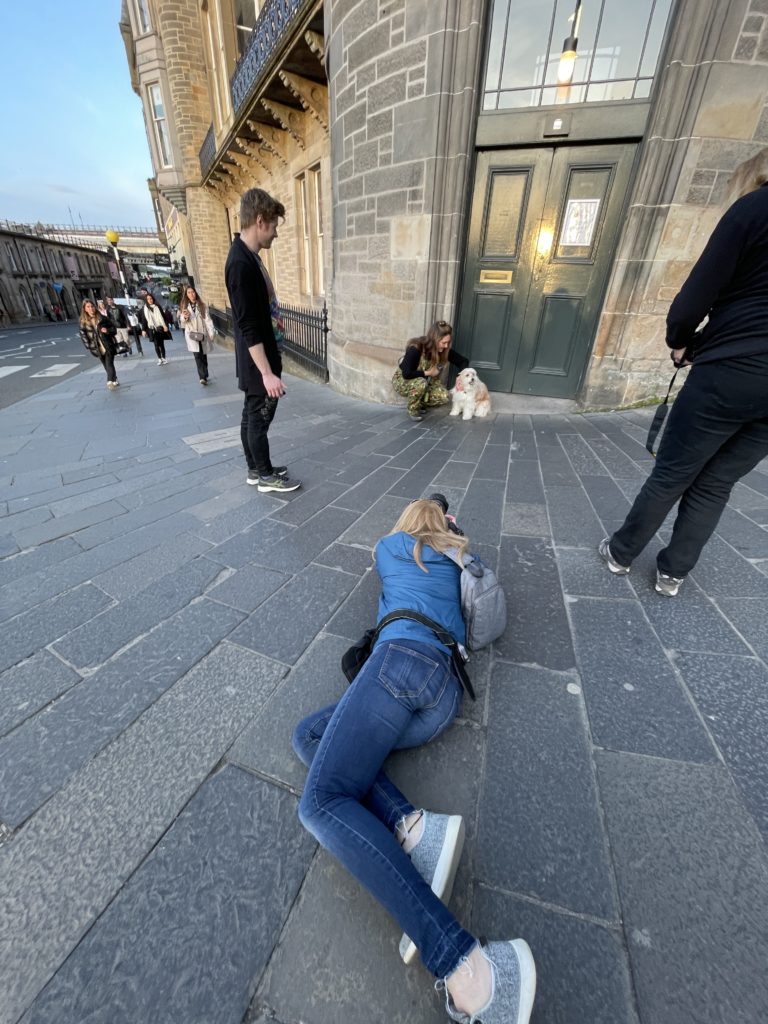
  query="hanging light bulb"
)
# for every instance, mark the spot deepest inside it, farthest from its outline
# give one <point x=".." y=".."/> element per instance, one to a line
<point x="567" y="64"/>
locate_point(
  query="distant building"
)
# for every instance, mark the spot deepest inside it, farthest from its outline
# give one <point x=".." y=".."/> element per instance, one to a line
<point x="544" y="175"/>
<point x="38" y="273"/>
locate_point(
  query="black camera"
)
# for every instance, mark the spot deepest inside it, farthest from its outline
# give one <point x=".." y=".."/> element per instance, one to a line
<point x="442" y="501"/>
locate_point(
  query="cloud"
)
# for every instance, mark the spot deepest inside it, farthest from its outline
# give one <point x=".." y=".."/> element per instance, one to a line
<point x="64" y="188"/>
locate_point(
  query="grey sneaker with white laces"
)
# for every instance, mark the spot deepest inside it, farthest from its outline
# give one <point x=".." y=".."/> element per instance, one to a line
<point x="436" y="858"/>
<point x="604" y="550"/>
<point x="513" y="986"/>
<point x="667" y="585"/>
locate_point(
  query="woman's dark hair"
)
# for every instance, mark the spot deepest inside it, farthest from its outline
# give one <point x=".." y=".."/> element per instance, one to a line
<point x="427" y="343"/>
<point x="149" y="296"/>
<point x="185" y="301"/>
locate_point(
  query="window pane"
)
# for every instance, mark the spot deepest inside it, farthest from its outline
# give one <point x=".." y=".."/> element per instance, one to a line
<point x="610" y="91"/>
<point x="655" y="37"/>
<point x="643" y="89"/>
<point x="505" y="214"/>
<point x="622" y="32"/>
<point x="580" y="219"/>
<point x="590" y="13"/>
<point x="496" y="43"/>
<point x="143" y="9"/>
<point x="526" y="44"/>
<point x="523" y="98"/>
<point x="157" y="101"/>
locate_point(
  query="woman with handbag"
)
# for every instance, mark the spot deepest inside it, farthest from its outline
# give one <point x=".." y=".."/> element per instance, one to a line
<point x="198" y="330"/>
<point x="406" y="694"/>
<point x="98" y="335"/>
<point x="155" y="326"/>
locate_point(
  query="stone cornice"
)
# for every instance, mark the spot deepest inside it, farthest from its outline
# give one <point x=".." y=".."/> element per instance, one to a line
<point x="293" y="121"/>
<point x="312" y="95"/>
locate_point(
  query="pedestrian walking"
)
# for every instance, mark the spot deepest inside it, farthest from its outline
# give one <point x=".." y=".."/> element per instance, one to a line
<point x="421" y="375"/>
<point x="198" y="330"/>
<point x="119" y="321"/>
<point x="255" y="313"/>
<point x="718" y="426"/>
<point x="134" y="327"/>
<point x="406" y="694"/>
<point x="98" y="335"/>
<point x="155" y="327"/>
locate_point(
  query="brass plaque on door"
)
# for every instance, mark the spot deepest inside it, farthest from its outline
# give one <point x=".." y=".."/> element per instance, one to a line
<point x="495" y="277"/>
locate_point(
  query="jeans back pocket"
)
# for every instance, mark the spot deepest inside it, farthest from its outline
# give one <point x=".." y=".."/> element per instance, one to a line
<point x="405" y="672"/>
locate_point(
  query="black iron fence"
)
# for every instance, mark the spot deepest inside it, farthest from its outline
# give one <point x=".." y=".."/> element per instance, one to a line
<point x="306" y="335"/>
<point x="268" y="34"/>
<point x="207" y="152"/>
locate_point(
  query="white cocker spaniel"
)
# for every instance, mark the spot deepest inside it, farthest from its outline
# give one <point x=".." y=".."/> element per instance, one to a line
<point x="469" y="396"/>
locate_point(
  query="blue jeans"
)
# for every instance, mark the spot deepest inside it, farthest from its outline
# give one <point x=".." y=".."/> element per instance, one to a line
<point x="406" y="695"/>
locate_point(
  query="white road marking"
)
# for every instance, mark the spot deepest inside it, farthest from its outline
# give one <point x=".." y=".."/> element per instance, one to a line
<point x="6" y="371"/>
<point x="57" y="370"/>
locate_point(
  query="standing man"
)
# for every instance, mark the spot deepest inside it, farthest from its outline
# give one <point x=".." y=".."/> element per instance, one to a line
<point x="257" y="353"/>
<point x="119" y="321"/>
<point x="718" y="427"/>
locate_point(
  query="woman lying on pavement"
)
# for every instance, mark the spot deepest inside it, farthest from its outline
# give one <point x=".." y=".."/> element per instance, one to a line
<point x="406" y="694"/>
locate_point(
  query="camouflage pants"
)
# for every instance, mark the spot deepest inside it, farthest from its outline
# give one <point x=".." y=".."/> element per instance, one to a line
<point x="421" y="392"/>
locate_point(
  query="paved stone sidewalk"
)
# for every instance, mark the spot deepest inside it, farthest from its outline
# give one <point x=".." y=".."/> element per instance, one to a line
<point x="165" y="626"/>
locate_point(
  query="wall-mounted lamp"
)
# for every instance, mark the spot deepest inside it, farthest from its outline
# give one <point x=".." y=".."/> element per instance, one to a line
<point x="567" y="64"/>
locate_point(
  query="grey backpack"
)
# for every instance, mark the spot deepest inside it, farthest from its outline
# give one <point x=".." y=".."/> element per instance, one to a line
<point x="483" y="604"/>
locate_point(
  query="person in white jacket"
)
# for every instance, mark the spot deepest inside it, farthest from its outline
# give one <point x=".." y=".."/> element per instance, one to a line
<point x="154" y="325"/>
<point x="198" y="330"/>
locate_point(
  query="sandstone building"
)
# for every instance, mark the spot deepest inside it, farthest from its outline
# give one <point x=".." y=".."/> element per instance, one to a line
<point x="543" y="173"/>
<point x="38" y="273"/>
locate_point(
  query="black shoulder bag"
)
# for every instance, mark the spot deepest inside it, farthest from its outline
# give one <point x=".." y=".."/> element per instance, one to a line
<point x="356" y="656"/>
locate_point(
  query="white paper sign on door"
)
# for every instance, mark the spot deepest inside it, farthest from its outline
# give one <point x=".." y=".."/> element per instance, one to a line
<point x="579" y="222"/>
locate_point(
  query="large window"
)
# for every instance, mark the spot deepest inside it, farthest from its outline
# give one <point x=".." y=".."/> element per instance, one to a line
<point x="311" y="232"/>
<point x="142" y="10"/>
<point x="11" y="253"/>
<point x="247" y="11"/>
<point x="162" y="139"/>
<point x="544" y="52"/>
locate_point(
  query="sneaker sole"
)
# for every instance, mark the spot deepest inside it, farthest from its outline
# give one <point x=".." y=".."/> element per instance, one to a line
<point x="527" y="980"/>
<point x="444" y="877"/>
<point x="270" y="487"/>
<point x="666" y="593"/>
<point x="253" y="483"/>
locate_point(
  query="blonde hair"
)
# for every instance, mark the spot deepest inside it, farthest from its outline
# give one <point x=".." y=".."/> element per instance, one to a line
<point x="424" y="520"/>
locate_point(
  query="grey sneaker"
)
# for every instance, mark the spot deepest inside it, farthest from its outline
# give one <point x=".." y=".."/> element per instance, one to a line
<point x="277" y="483"/>
<point x="436" y="858"/>
<point x="616" y="568"/>
<point x="669" y="586"/>
<point x="253" y="477"/>
<point x="280" y="471"/>
<point x="513" y="986"/>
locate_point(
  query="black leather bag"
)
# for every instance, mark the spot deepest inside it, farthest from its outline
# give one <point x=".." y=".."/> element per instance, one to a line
<point x="356" y="656"/>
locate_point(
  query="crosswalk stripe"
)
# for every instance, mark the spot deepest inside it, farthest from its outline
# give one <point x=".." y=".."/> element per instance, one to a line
<point x="57" y="370"/>
<point x="6" y="371"/>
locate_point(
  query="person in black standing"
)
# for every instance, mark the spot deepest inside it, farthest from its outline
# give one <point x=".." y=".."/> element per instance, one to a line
<point x="718" y="427"/>
<point x="256" y="319"/>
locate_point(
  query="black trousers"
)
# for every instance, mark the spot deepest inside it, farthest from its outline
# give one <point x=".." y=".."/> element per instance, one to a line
<point x="258" y="413"/>
<point x="717" y="432"/>
<point x="108" y="362"/>
<point x="158" y="340"/>
<point x="201" y="360"/>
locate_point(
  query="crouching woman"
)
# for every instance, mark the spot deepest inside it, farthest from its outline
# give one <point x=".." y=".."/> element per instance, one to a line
<point x="406" y="694"/>
<point x="421" y="375"/>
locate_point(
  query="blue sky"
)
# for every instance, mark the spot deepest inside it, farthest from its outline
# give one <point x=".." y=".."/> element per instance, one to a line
<point x="73" y="131"/>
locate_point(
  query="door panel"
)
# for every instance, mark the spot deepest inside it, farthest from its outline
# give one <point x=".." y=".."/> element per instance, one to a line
<point x="543" y="228"/>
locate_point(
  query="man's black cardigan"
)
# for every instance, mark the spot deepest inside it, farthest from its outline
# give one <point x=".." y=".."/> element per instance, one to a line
<point x="249" y="301"/>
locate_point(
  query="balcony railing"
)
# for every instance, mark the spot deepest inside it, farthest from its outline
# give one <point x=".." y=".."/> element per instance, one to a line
<point x="207" y="152"/>
<point x="269" y="31"/>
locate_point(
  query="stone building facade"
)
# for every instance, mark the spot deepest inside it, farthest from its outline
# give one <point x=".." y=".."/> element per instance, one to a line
<point x="38" y="274"/>
<point x="453" y="160"/>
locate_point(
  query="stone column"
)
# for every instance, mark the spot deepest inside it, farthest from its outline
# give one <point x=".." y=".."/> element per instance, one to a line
<point x="708" y="122"/>
<point x="402" y="81"/>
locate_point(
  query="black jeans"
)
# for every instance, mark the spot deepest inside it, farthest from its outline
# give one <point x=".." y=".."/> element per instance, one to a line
<point x="716" y="433"/>
<point x="158" y="340"/>
<point x="201" y="360"/>
<point x="108" y="362"/>
<point x="258" y="413"/>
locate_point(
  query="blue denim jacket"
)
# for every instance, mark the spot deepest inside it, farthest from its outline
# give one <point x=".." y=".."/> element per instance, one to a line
<point x="436" y="593"/>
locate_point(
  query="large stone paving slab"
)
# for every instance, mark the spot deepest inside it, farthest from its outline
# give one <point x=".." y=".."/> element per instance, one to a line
<point x="693" y="885"/>
<point x="60" y="873"/>
<point x="208" y="904"/>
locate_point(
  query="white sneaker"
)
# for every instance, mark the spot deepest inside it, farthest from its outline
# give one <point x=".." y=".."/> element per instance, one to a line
<point x="159" y="362"/>
<point x="668" y="586"/>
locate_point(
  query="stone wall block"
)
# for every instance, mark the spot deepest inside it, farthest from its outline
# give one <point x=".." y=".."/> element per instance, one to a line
<point x="387" y="93"/>
<point x="398" y="176"/>
<point x="360" y="18"/>
<point x="369" y="45"/>
<point x="380" y="124"/>
<point x="410" y="57"/>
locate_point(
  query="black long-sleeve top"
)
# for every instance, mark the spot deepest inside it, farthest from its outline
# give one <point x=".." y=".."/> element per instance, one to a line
<point x="249" y="300"/>
<point x="409" y="364"/>
<point x="729" y="282"/>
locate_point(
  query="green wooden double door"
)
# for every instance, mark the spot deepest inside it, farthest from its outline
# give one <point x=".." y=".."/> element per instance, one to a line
<point x="542" y="235"/>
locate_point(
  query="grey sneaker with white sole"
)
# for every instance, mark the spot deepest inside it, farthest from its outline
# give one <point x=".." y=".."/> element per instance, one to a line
<point x="277" y="483"/>
<point x="668" y="586"/>
<point x="436" y="858"/>
<point x="513" y="986"/>
<point x="604" y="550"/>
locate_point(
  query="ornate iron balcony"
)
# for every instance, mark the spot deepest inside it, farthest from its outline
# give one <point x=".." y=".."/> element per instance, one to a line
<point x="207" y="152"/>
<point x="268" y="33"/>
